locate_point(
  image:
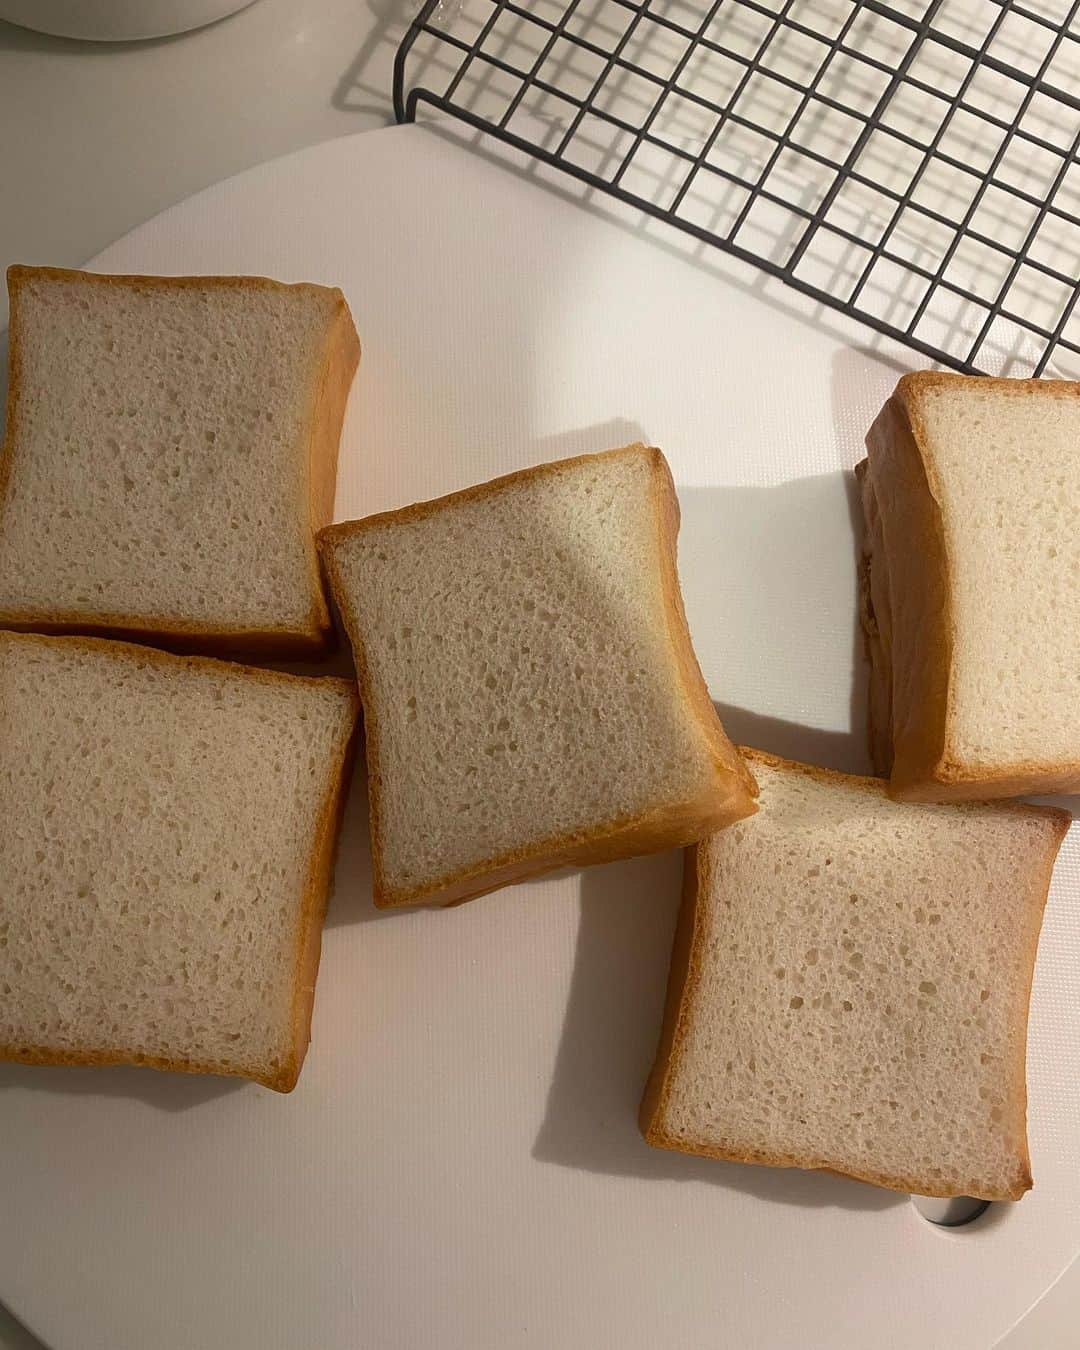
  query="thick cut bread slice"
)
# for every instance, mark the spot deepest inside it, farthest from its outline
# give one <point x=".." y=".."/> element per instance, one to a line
<point x="171" y="449"/>
<point x="849" y="988"/>
<point x="531" y="697"/>
<point x="167" y="827"/>
<point x="973" y="511"/>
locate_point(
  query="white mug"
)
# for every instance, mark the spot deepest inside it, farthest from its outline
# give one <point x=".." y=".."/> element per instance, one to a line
<point x="116" y="20"/>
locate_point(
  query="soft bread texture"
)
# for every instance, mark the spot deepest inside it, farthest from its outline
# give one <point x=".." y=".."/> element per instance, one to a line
<point x="973" y="613"/>
<point x="850" y="983"/>
<point x="531" y="697"/>
<point x="167" y="827"/>
<point x="171" y="450"/>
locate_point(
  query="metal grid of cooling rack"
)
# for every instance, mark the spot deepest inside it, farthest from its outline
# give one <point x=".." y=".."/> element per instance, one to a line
<point x="913" y="164"/>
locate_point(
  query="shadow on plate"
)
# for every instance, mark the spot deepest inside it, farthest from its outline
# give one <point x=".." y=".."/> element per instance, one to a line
<point x="350" y="899"/>
<point x="14" y="1336"/>
<point x="166" y="1091"/>
<point x="830" y="749"/>
<point x="769" y="581"/>
<point x="610" y="435"/>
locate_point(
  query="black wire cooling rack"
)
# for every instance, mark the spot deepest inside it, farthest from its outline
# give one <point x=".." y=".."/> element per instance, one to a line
<point x="911" y="164"/>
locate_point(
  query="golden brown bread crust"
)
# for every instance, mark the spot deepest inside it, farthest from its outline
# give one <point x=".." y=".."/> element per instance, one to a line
<point x="179" y="636"/>
<point x="730" y="798"/>
<point x="875" y="618"/>
<point x="313" y="902"/>
<point x="330" y="389"/>
<point x="908" y="386"/>
<point x="692" y="936"/>
<point x="912" y="563"/>
<point x="683" y="976"/>
<point x="330" y="394"/>
<point x="316" y="894"/>
<point x="170" y="661"/>
<point x="625" y="837"/>
<point x="1021" y="1012"/>
<point x="1029" y="778"/>
<point x="881" y="786"/>
<point x="908" y="523"/>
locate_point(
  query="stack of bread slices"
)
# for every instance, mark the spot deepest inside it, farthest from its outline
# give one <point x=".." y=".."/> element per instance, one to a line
<point x="167" y="821"/>
<point x="852" y="968"/>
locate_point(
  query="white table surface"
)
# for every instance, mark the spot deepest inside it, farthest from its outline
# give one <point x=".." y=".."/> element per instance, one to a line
<point x="96" y="138"/>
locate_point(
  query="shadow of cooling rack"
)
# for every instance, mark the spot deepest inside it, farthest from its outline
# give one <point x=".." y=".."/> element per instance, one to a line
<point x="913" y="164"/>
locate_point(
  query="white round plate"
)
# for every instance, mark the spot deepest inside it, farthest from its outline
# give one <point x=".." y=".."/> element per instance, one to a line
<point x="460" y="1166"/>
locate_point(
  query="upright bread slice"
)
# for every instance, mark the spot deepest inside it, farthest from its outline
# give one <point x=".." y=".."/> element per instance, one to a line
<point x="849" y="988"/>
<point x="167" y="827"/>
<point x="973" y="509"/>
<point x="171" y="449"/>
<point x="531" y="697"/>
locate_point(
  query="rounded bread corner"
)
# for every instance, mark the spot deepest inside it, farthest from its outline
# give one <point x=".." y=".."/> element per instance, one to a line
<point x="650" y="1129"/>
<point x="282" y="1080"/>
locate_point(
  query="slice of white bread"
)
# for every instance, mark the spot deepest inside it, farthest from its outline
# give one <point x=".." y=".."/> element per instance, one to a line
<point x="167" y="827"/>
<point x="850" y="983"/>
<point x="972" y="499"/>
<point x="531" y="697"/>
<point x="171" y="450"/>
